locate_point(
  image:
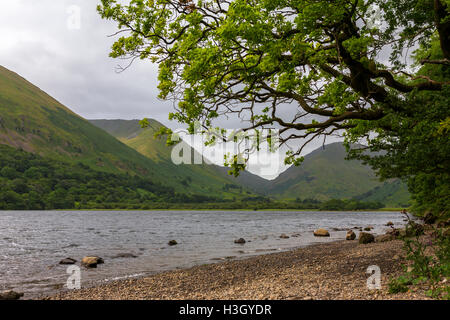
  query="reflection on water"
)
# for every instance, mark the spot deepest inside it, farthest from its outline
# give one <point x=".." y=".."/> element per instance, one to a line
<point x="32" y="243"/>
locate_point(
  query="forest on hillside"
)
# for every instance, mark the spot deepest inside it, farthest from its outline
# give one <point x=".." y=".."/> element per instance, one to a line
<point x="30" y="182"/>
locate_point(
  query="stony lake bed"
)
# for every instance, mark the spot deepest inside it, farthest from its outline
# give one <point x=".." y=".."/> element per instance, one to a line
<point x="135" y="244"/>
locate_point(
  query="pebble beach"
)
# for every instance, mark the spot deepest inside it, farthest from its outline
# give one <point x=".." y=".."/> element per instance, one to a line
<point x="330" y="271"/>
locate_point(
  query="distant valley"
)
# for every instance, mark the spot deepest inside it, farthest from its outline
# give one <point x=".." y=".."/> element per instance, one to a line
<point x="33" y="122"/>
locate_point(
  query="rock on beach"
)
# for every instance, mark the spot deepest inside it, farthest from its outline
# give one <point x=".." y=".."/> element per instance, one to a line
<point x="350" y="235"/>
<point x="321" y="233"/>
<point x="365" y="238"/>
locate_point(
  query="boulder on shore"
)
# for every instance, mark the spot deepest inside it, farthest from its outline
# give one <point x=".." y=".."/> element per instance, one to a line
<point x="394" y="232"/>
<point x="68" y="261"/>
<point x="240" y="241"/>
<point x="91" y="262"/>
<point x="402" y="233"/>
<point x="10" y="295"/>
<point x="429" y="218"/>
<point x="321" y="233"/>
<point x="368" y="228"/>
<point x="365" y="238"/>
<point x="385" y="238"/>
<point x="172" y="243"/>
<point x="350" y="235"/>
<point x="414" y="229"/>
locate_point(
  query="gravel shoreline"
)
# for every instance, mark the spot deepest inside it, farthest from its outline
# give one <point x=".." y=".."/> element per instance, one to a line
<point x="334" y="270"/>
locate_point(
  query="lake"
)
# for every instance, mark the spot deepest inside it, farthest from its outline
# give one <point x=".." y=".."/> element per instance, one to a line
<point x="33" y="242"/>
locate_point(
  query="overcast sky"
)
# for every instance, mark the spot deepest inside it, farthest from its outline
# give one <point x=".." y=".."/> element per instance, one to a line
<point x="42" y="42"/>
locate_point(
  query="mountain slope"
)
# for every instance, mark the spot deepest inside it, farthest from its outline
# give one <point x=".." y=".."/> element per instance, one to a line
<point x="209" y="178"/>
<point x="250" y="181"/>
<point x="391" y="193"/>
<point x="33" y="121"/>
<point x="142" y="140"/>
<point x="326" y="174"/>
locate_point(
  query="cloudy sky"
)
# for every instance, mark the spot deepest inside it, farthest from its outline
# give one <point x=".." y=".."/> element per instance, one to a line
<point x="62" y="47"/>
<point x="41" y="42"/>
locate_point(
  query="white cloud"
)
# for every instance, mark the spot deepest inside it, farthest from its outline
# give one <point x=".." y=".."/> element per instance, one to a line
<point x="73" y="64"/>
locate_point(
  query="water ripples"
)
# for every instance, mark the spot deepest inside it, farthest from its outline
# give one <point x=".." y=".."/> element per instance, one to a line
<point x="33" y="243"/>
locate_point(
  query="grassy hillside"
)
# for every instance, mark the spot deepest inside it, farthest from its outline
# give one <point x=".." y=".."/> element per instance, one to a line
<point x="250" y="181"/>
<point x="391" y="193"/>
<point x="33" y="121"/>
<point x="326" y="174"/>
<point x="31" y="182"/>
<point x="141" y="140"/>
<point x="201" y="178"/>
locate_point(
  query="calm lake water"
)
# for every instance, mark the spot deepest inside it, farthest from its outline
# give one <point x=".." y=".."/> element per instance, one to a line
<point x="32" y="243"/>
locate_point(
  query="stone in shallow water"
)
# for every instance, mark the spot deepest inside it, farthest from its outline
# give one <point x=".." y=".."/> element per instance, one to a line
<point x="68" y="261"/>
<point x="321" y="233"/>
<point x="10" y="295"/>
<point x="124" y="255"/>
<point x="91" y="262"/>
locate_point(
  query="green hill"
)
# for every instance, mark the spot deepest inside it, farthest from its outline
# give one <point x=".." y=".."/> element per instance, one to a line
<point x="326" y="174"/>
<point x="391" y="193"/>
<point x="35" y="122"/>
<point x="31" y="182"/>
<point x="142" y="140"/>
<point x="209" y="178"/>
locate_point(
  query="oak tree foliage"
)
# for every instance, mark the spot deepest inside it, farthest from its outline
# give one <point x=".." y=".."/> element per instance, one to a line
<point x="375" y="71"/>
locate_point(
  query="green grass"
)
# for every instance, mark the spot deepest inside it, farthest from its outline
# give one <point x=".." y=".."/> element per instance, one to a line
<point x="325" y="174"/>
<point x="34" y="121"/>
<point x="202" y="178"/>
<point x="392" y="193"/>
